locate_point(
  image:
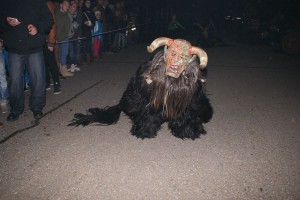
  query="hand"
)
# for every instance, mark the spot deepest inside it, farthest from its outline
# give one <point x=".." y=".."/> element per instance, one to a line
<point x="32" y="29"/>
<point x="88" y="23"/>
<point x="50" y="48"/>
<point x="12" y="21"/>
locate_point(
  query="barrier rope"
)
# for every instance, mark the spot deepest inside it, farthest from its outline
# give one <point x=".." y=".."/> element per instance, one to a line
<point x="104" y="33"/>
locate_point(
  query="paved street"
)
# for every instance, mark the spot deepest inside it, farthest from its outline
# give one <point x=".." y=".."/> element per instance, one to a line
<point x="251" y="150"/>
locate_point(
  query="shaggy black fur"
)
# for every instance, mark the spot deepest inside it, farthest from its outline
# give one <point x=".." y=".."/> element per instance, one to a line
<point x="181" y="102"/>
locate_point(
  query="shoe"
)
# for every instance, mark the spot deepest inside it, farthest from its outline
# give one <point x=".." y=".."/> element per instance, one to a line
<point x="77" y="69"/>
<point x="4" y="106"/>
<point x="26" y="87"/>
<point x="12" y="117"/>
<point x="48" y="87"/>
<point x="37" y="115"/>
<point x="72" y="68"/>
<point x="64" y="71"/>
<point x="61" y="77"/>
<point x="57" y="89"/>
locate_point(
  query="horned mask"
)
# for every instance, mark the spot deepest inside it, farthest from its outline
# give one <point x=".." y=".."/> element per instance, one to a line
<point x="178" y="54"/>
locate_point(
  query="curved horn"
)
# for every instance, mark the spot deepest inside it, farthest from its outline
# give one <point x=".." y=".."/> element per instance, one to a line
<point x="161" y="41"/>
<point x="202" y="56"/>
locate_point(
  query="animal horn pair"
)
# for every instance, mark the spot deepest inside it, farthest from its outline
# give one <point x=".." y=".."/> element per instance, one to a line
<point x="164" y="41"/>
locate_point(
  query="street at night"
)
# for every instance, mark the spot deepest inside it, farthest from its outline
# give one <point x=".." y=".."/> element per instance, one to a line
<point x="250" y="151"/>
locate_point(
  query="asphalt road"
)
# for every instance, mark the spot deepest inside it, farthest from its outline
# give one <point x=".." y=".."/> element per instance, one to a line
<point x="251" y="150"/>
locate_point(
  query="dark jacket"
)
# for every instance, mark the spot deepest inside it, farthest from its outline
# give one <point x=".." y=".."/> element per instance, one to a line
<point x="87" y="14"/>
<point x="17" y="39"/>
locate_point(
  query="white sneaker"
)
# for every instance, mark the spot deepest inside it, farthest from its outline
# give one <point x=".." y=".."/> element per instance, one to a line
<point x="76" y="68"/>
<point x="4" y="106"/>
<point x="72" y="68"/>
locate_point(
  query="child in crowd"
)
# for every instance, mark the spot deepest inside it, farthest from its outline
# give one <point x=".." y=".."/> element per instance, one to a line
<point x="97" y="34"/>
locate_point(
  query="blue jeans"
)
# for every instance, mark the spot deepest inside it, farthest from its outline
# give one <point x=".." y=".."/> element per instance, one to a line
<point x="63" y="50"/>
<point x="3" y="80"/>
<point x="74" y="50"/>
<point x="36" y="70"/>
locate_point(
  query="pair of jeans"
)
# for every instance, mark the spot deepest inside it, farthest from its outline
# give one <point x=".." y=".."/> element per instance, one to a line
<point x="74" y="51"/>
<point x="36" y="71"/>
<point x="3" y="80"/>
<point x="63" y="50"/>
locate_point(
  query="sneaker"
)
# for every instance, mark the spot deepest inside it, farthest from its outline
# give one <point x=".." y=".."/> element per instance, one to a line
<point x="57" y="89"/>
<point x="4" y="106"/>
<point x="72" y="68"/>
<point x="76" y="68"/>
<point x="48" y="87"/>
<point x="26" y="87"/>
<point x="61" y="77"/>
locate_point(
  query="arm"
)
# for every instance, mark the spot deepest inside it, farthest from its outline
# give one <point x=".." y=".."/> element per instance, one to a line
<point x="51" y="36"/>
<point x="45" y="19"/>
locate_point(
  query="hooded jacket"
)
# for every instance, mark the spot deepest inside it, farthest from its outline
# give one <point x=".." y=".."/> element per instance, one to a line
<point x="17" y="39"/>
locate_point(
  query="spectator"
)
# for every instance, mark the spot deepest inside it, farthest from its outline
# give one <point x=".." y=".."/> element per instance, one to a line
<point x="119" y="21"/>
<point x="3" y="82"/>
<point x="97" y="34"/>
<point x="63" y="32"/>
<point x="175" y="28"/>
<point x="25" y="24"/>
<point x="49" y="55"/>
<point x="87" y="26"/>
<point x="107" y="17"/>
<point x="207" y="38"/>
<point x="74" y="49"/>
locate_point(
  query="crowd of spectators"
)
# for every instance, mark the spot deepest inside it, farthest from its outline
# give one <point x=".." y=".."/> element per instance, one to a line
<point x="83" y="32"/>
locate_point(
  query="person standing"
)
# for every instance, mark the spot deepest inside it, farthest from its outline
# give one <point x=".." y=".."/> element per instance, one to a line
<point x="49" y="55"/>
<point x="74" y="46"/>
<point x="175" y="28"/>
<point x="24" y="25"/>
<point x="97" y="33"/>
<point x="107" y="20"/>
<point x="87" y="26"/>
<point x="63" y="32"/>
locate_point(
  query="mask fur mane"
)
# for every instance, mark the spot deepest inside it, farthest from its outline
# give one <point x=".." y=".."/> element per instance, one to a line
<point x="172" y="95"/>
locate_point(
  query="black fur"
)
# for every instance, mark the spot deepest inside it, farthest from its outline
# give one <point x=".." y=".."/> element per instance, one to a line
<point x="184" y="115"/>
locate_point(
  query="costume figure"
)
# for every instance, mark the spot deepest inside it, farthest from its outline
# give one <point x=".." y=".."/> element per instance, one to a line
<point x="165" y="89"/>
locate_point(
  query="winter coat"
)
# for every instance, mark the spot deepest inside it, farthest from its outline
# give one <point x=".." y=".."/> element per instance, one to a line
<point x="17" y="39"/>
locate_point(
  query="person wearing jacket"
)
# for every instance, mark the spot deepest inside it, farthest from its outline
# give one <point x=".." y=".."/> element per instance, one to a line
<point x="88" y="21"/>
<point x="63" y="33"/>
<point x="24" y="25"/>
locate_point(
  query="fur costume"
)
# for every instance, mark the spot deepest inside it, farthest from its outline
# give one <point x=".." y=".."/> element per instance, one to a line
<point x="165" y="89"/>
